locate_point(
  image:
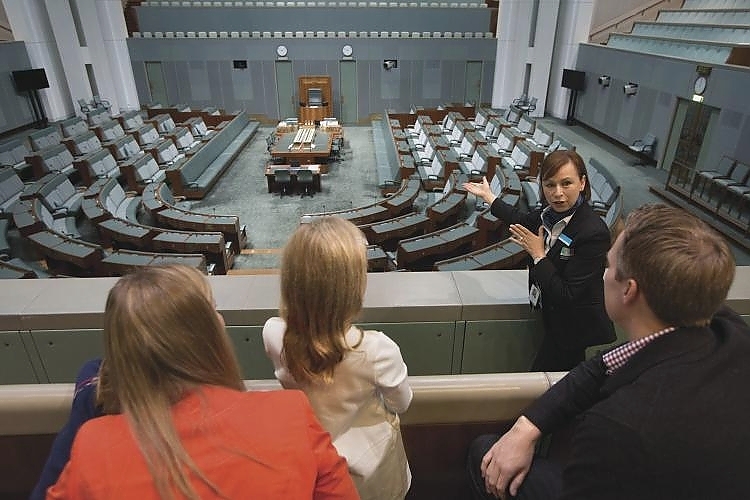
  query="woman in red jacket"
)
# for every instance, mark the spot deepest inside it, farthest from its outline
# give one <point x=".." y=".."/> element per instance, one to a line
<point x="186" y="428"/>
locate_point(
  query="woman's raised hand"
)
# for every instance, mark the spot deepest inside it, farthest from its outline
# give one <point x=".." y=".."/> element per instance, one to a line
<point x="481" y="190"/>
<point x="532" y="243"/>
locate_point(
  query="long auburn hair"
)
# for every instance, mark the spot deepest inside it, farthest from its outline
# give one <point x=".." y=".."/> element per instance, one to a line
<point x="323" y="281"/>
<point x="162" y="339"/>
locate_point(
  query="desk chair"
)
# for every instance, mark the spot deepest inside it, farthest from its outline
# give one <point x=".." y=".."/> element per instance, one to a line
<point x="282" y="177"/>
<point x="100" y="103"/>
<point x="305" y="180"/>
<point x="475" y="176"/>
<point x="644" y="147"/>
<point x="525" y="104"/>
<point x="270" y="141"/>
<point x="85" y="107"/>
<point x="335" y="151"/>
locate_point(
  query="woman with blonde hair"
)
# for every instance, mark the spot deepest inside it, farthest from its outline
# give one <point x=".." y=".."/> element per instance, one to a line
<point x="356" y="380"/>
<point x="186" y="428"/>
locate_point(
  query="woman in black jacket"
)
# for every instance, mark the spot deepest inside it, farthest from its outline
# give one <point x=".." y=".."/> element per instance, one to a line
<point x="567" y="243"/>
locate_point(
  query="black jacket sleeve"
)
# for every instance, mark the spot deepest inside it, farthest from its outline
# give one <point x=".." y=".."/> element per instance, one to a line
<point x="575" y="393"/>
<point x="512" y="215"/>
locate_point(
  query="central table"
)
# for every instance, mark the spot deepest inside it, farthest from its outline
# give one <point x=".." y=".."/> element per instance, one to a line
<point x="317" y="150"/>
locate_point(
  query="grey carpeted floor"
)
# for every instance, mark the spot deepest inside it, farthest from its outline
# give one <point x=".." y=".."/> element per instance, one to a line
<point x="271" y="218"/>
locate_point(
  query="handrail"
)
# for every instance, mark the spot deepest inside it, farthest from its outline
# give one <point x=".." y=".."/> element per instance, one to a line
<point x="29" y="409"/>
<point x="624" y="23"/>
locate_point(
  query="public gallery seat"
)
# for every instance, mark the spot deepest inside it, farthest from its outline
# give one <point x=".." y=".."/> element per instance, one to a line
<point x="305" y="181"/>
<point x="85" y="106"/>
<point x="525" y="104"/>
<point x="100" y="103"/>
<point x="282" y="177"/>
<point x="645" y="146"/>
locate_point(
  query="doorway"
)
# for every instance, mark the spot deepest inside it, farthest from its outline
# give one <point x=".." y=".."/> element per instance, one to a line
<point x="348" y="82"/>
<point x="473" y="82"/>
<point x="156" y="84"/>
<point x="285" y="90"/>
<point x="692" y="126"/>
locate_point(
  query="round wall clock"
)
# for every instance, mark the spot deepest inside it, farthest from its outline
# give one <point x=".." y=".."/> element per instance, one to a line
<point x="281" y="51"/>
<point x="347" y="50"/>
<point x="700" y="85"/>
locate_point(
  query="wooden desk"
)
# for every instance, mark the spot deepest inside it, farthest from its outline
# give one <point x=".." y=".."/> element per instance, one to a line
<point x="388" y="233"/>
<point x="228" y="225"/>
<point x="124" y="261"/>
<point x="377" y="260"/>
<point x="93" y="211"/>
<point x="124" y="234"/>
<point x="364" y="215"/>
<point x="446" y="209"/>
<point x="211" y="244"/>
<point x="62" y="250"/>
<point x="293" y="171"/>
<point x="287" y="150"/>
<point x="435" y="246"/>
<point x="402" y="200"/>
<point x="433" y="130"/>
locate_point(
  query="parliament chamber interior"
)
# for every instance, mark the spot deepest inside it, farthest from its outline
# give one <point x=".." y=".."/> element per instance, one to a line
<point x="204" y="132"/>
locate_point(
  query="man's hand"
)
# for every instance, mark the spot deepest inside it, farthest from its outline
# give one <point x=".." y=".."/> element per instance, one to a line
<point x="505" y="466"/>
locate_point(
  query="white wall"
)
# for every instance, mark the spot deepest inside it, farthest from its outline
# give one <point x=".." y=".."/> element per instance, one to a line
<point x="572" y="28"/>
<point x="514" y="24"/>
<point x="48" y="29"/>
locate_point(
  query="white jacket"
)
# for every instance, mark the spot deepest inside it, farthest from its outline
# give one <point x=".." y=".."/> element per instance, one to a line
<point x="359" y="408"/>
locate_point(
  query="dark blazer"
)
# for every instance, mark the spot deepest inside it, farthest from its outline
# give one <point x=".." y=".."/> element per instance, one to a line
<point x="671" y="423"/>
<point x="84" y="408"/>
<point x="571" y="281"/>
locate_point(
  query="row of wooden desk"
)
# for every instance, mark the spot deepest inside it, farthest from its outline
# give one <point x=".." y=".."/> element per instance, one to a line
<point x="450" y="241"/>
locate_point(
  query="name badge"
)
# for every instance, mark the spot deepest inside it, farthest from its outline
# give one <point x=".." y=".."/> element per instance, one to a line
<point x="565" y="239"/>
<point x="535" y="296"/>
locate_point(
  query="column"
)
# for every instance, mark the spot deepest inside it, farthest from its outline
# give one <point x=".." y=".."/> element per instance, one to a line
<point x="516" y="19"/>
<point x="71" y="56"/>
<point x="31" y="24"/>
<point x="112" y="59"/>
<point x="513" y="28"/>
<point x="573" y="28"/>
<point x="542" y="53"/>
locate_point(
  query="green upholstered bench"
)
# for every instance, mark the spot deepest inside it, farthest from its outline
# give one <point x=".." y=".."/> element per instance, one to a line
<point x="195" y="177"/>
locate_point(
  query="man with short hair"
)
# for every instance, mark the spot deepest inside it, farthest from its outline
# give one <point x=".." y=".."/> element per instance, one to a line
<point x="664" y="416"/>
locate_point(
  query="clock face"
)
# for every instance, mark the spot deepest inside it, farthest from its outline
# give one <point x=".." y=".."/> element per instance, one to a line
<point x="700" y="85"/>
<point x="347" y="50"/>
<point x="281" y="50"/>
